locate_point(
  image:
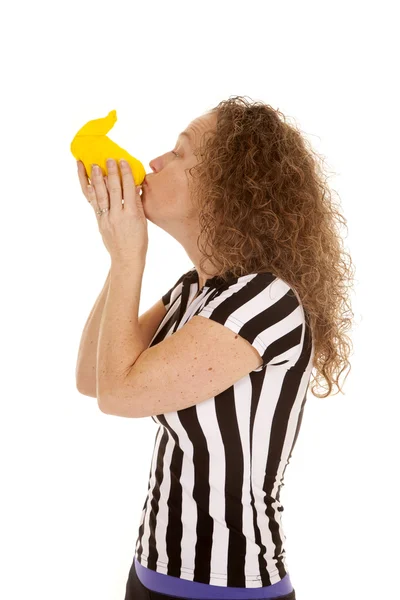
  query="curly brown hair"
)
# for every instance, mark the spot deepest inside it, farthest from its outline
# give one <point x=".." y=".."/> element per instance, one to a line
<point x="264" y="205"/>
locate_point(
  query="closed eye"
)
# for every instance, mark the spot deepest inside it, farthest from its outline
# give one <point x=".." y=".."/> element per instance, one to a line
<point x="176" y="154"/>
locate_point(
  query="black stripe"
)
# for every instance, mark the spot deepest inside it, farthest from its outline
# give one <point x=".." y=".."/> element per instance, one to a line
<point x="234" y="470"/>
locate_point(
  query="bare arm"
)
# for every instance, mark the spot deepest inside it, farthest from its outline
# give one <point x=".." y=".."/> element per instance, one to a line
<point x="85" y="372"/>
<point x="87" y="358"/>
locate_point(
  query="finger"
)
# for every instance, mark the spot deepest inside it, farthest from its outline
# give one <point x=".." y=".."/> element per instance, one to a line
<point x="100" y="188"/>
<point x="128" y="185"/>
<point x="83" y="179"/>
<point x="114" y="185"/>
<point x="93" y="200"/>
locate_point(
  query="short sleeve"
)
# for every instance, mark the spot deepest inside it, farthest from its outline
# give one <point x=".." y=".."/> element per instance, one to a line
<point x="169" y="297"/>
<point x="265" y="311"/>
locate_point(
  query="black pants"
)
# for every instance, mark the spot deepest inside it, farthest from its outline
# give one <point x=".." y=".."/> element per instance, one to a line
<point x="135" y="590"/>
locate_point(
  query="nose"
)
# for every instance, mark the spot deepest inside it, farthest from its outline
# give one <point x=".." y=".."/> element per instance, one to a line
<point x="158" y="163"/>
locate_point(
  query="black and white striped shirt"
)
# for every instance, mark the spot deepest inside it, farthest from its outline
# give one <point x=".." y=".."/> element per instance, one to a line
<point x="212" y="512"/>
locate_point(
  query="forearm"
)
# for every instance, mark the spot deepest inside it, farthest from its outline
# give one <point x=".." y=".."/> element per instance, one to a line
<point x="86" y="364"/>
<point x="120" y="343"/>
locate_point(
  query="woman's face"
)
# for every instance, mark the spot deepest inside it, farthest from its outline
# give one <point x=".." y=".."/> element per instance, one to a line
<point x="165" y="194"/>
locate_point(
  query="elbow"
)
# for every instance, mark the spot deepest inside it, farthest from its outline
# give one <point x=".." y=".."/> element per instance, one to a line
<point x="115" y="406"/>
<point x="86" y="389"/>
<point x="103" y="406"/>
<point x="84" y="392"/>
<point x="91" y="390"/>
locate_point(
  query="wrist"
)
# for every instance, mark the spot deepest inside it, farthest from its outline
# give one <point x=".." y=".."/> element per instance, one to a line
<point x="134" y="266"/>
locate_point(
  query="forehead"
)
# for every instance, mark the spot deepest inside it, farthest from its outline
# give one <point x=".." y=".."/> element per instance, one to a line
<point x="187" y="136"/>
<point x="198" y="127"/>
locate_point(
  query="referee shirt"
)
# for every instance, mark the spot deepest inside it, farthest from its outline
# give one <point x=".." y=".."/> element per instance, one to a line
<point x="211" y="519"/>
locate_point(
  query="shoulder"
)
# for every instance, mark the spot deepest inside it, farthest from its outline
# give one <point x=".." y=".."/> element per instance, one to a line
<point x="259" y="289"/>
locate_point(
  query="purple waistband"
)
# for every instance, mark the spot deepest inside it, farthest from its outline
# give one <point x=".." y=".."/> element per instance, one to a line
<point x="174" y="586"/>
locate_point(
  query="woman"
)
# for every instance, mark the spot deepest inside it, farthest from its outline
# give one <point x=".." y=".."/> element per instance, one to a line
<point x="244" y="194"/>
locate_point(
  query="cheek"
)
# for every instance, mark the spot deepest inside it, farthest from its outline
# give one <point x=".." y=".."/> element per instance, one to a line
<point x="173" y="190"/>
<point x="168" y="192"/>
<point x="176" y="205"/>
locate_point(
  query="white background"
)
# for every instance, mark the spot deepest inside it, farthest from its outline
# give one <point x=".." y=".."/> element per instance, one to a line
<point x="73" y="479"/>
